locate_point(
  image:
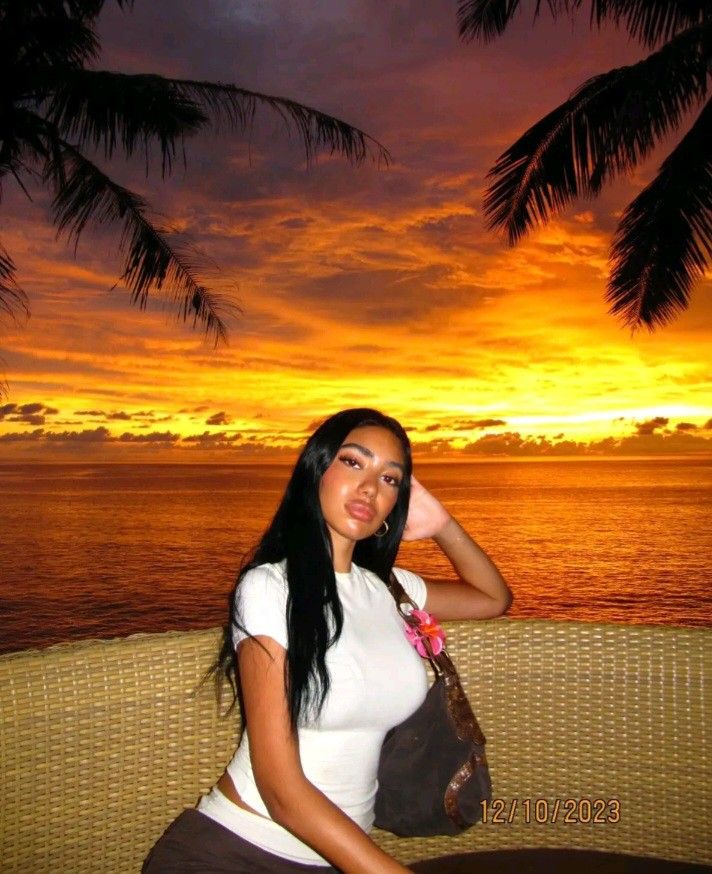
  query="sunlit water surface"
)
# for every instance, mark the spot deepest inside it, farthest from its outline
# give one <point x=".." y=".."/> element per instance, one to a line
<point x="105" y="550"/>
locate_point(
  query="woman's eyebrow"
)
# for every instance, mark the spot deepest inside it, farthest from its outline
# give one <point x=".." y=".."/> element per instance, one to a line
<point x="370" y="454"/>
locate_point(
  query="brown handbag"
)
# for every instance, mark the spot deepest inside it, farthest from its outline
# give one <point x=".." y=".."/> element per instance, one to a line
<point x="433" y="774"/>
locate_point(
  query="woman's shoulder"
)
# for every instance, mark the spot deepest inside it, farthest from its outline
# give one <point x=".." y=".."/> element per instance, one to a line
<point x="413" y="584"/>
<point x="277" y="568"/>
<point x="267" y="575"/>
<point x="260" y="604"/>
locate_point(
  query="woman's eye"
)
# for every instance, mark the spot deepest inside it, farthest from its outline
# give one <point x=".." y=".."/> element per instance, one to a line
<point x="352" y="462"/>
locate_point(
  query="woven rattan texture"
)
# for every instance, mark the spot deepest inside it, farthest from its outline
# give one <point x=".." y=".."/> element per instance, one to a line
<point x="102" y="744"/>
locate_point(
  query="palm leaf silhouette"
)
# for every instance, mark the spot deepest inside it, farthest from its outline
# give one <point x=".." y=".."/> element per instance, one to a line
<point x="12" y="297"/>
<point x="57" y="110"/>
<point x="84" y="193"/>
<point x="664" y="240"/>
<point x="608" y="127"/>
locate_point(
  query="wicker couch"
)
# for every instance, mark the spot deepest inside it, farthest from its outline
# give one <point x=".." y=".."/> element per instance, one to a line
<point x="103" y="742"/>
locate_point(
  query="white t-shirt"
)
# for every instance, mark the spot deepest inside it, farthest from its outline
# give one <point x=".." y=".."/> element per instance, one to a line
<point x="377" y="681"/>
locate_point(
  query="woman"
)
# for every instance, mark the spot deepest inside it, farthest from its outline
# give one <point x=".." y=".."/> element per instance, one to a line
<point x="324" y="667"/>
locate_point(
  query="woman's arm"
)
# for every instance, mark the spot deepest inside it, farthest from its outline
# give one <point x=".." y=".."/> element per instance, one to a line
<point x="486" y="594"/>
<point x="292" y="800"/>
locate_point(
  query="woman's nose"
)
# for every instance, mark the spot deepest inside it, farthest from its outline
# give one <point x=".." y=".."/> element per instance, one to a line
<point x="368" y="484"/>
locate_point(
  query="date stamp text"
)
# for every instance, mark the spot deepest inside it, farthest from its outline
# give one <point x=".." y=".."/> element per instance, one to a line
<point x="499" y="811"/>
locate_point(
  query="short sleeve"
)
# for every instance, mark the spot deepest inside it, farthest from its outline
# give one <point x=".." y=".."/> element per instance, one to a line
<point x="261" y="604"/>
<point x="413" y="585"/>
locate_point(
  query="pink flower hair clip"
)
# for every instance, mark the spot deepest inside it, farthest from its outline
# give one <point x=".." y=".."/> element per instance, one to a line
<point x="425" y="627"/>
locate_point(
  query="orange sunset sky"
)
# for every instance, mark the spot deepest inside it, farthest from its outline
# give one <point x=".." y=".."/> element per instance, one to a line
<point x="359" y="286"/>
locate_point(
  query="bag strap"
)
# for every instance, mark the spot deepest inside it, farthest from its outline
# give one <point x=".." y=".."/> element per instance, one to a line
<point x="468" y="728"/>
<point x="401" y="597"/>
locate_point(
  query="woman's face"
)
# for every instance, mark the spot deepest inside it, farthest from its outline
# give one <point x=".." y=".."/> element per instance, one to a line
<point x="360" y="486"/>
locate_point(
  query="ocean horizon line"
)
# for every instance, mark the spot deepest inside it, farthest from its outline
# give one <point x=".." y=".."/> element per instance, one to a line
<point x="419" y="459"/>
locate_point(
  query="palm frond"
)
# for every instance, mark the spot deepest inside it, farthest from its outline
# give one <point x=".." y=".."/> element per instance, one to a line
<point x="488" y="19"/>
<point x="608" y="125"/>
<point x="652" y="22"/>
<point x="4" y="387"/>
<point x="32" y="40"/>
<point x="12" y="297"/>
<point x="663" y="243"/>
<point x="115" y="110"/>
<point x="154" y="261"/>
<point x="484" y="19"/>
<point x="23" y="135"/>
<point x="73" y="8"/>
<point x="237" y="107"/>
<point x="151" y="261"/>
<point x="91" y="8"/>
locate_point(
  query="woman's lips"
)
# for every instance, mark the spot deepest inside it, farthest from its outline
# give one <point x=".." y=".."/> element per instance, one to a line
<point x="360" y="511"/>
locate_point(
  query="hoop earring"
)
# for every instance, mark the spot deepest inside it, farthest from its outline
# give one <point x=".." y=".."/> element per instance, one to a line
<point x="382" y="533"/>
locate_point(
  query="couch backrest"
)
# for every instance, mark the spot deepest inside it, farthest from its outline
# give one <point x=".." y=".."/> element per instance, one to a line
<point x="104" y="742"/>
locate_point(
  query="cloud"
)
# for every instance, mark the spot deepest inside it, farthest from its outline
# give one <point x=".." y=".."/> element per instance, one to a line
<point x="651" y="425"/>
<point x="23" y="436"/>
<point x="473" y="424"/>
<point x="30" y="414"/>
<point x="88" y="435"/>
<point x="153" y="437"/>
<point x="313" y="425"/>
<point x="212" y="440"/>
<point x="680" y="443"/>
<point x="513" y="444"/>
<point x="653" y="439"/>
<point x="94" y="435"/>
<point x="122" y="415"/>
<point x="218" y="419"/>
<point x="462" y="425"/>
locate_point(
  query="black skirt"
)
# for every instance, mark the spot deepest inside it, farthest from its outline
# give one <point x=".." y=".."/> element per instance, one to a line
<point x="194" y="843"/>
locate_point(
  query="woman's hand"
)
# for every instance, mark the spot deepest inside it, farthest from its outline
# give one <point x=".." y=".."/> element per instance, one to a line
<point x="486" y="594"/>
<point x="426" y="515"/>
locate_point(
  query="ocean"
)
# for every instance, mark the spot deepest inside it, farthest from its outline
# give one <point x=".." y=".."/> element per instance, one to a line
<point x="92" y="550"/>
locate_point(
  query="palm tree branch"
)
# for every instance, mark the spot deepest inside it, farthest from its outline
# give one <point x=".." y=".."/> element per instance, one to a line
<point x="533" y="178"/>
<point x="151" y="261"/>
<point x="650" y="21"/>
<point x="115" y="110"/>
<point x="91" y="8"/>
<point x="663" y="243"/>
<point x="488" y="19"/>
<point x="12" y="297"/>
<point x="238" y="106"/>
<point x="81" y="9"/>
<point x="605" y="128"/>
<point x="42" y="35"/>
<point x="23" y="143"/>
<point x="14" y="171"/>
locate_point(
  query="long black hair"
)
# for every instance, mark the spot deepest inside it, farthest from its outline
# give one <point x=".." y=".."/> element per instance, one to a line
<point x="298" y="532"/>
